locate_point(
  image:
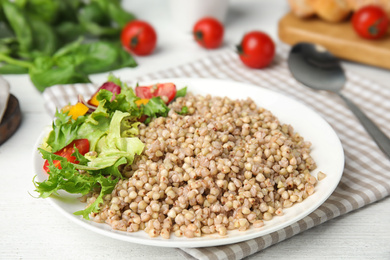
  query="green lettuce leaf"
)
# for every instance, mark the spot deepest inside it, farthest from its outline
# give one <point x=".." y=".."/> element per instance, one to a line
<point x="71" y="180"/>
<point x="129" y="95"/>
<point x="181" y="92"/>
<point x="113" y="146"/>
<point x="64" y="130"/>
<point x="112" y="78"/>
<point x="95" y="126"/>
<point x="79" y="157"/>
<point x="68" y="178"/>
<point x="156" y="107"/>
<point x="107" y="186"/>
<point x="134" y="110"/>
<point x="119" y="103"/>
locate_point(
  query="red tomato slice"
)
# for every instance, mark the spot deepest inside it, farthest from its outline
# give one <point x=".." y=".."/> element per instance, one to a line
<point x="167" y="91"/>
<point x="55" y="163"/>
<point x="81" y="144"/>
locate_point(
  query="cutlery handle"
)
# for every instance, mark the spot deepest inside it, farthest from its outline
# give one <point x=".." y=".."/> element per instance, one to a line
<point x="379" y="137"/>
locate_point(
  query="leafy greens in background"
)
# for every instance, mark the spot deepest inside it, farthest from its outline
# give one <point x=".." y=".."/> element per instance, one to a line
<point x="62" y="42"/>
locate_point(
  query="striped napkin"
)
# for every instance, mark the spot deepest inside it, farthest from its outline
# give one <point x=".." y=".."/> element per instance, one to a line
<point x="366" y="177"/>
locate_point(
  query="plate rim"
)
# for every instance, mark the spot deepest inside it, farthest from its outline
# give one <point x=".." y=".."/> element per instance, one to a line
<point x="106" y="230"/>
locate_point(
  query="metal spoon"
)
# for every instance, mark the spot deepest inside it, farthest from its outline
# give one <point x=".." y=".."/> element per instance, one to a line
<point x="315" y="67"/>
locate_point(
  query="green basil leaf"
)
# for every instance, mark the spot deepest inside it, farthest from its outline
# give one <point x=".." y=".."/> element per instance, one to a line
<point x="68" y="31"/>
<point x="20" y="25"/>
<point x="45" y="40"/>
<point x="8" y="45"/>
<point x="68" y="11"/>
<point x="124" y="60"/>
<point x="104" y="56"/>
<point x="94" y="19"/>
<point x="98" y="57"/>
<point x="118" y="14"/>
<point x="46" y="37"/>
<point x="46" y="10"/>
<point x="56" y="75"/>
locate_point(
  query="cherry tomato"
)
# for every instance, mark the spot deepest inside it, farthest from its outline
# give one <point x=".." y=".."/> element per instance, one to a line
<point x="167" y="91"/>
<point x="256" y="49"/>
<point x="139" y="38"/>
<point x="81" y="144"/>
<point x="208" y="32"/>
<point x="370" y="22"/>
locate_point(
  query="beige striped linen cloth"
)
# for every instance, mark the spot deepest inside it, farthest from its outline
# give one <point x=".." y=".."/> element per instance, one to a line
<point x="366" y="177"/>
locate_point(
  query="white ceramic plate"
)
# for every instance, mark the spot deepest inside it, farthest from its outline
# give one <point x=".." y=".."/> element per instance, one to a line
<point x="326" y="151"/>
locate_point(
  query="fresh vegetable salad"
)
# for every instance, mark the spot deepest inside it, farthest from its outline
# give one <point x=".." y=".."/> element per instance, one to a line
<point x="90" y="140"/>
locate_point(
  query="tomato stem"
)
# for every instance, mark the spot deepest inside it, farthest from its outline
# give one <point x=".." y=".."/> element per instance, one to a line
<point x="373" y="29"/>
<point x="134" y="41"/>
<point x="239" y="49"/>
<point x="198" y="35"/>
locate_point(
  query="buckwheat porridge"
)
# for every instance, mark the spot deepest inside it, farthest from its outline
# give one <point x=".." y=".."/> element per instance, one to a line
<point x="226" y="164"/>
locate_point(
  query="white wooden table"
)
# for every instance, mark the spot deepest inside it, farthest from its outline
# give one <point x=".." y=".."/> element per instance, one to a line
<point x="31" y="229"/>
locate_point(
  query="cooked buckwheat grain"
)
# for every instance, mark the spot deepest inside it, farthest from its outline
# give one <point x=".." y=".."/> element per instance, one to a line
<point x="228" y="164"/>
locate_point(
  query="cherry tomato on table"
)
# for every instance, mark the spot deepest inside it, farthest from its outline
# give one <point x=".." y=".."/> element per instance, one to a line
<point x="208" y="32"/>
<point x="167" y="91"/>
<point x="370" y="22"/>
<point x="81" y="144"/>
<point x="139" y="37"/>
<point x="256" y="49"/>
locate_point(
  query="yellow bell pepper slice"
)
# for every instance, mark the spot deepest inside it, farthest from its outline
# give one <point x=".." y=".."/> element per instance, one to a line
<point x="66" y="108"/>
<point x="77" y="110"/>
<point x="94" y="101"/>
<point x="142" y="101"/>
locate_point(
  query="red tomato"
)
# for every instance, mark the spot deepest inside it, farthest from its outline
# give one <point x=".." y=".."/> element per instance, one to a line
<point x="370" y="22"/>
<point x="256" y="50"/>
<point x="81" y="144"/>
<point x="167" y="91"/>
<point x="208" y="32"/>
<point x="139" y="37"/>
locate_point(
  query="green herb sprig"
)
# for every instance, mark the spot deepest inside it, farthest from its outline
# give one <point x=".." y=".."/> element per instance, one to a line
<point x="62" y="42"/>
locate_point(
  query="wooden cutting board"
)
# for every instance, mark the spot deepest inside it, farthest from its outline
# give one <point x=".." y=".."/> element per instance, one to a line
<point x="11" y="120"/>
<point x="339" y="38"/>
